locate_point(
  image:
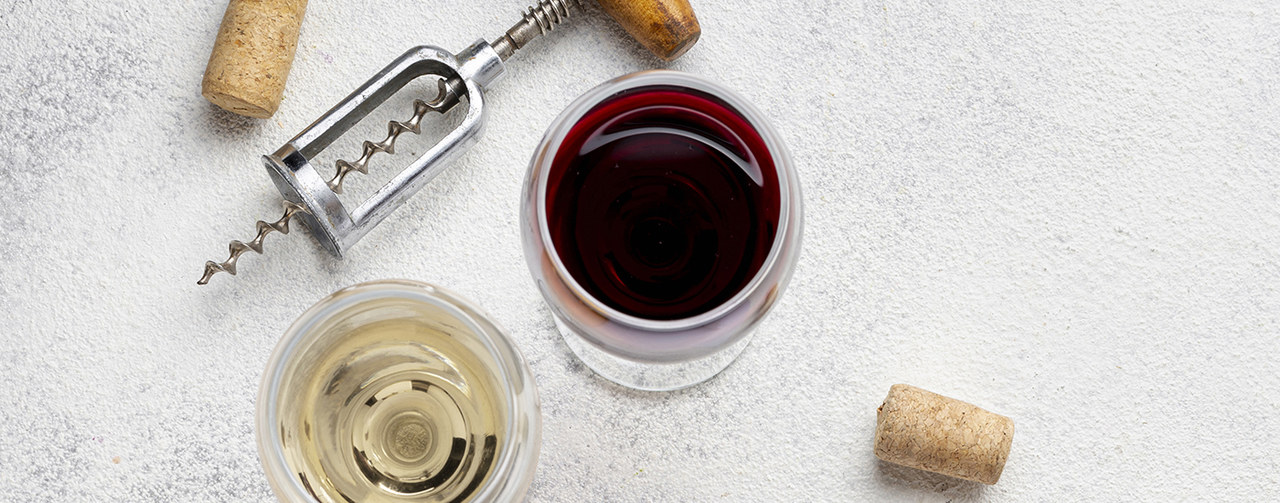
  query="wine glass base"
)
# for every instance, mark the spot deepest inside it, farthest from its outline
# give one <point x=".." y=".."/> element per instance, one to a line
<point x="650" y="375"/>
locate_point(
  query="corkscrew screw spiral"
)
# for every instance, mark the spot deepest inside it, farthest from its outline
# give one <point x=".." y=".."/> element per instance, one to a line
<point x="445" y="99"/>
<point x="238" y="247"/>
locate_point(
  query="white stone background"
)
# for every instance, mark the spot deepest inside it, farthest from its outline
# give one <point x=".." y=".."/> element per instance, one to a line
<point x="1065" y="212"/>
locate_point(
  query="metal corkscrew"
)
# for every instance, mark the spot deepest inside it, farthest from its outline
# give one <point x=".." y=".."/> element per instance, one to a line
<point x="460" y="77"/>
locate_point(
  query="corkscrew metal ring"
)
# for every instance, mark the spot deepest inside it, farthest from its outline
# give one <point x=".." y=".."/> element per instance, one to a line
<point x="460" y="77"/>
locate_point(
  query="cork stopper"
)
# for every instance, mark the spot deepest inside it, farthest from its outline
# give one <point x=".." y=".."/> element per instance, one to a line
<point x="668" y="28"/>
<point x="925" y="430"/>
<point x="252" y="56"/>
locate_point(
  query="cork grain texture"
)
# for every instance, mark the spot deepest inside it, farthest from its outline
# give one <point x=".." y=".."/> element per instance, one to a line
<point x="668" y="28"/>
<point x="1064" y="212"/>
<point x="251" y="57"/>
<point x="925" y="430"/>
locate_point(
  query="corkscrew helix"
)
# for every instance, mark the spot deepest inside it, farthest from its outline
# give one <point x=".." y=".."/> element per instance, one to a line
<point x="460" y="77"/>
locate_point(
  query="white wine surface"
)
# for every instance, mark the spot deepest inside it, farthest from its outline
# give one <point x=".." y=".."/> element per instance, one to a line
<point x="402" y="409"/>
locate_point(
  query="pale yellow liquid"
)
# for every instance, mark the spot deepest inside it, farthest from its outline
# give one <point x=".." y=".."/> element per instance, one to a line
<point x="396" y="410"/>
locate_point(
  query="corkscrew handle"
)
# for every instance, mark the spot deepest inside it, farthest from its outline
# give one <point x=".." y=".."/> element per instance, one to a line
<point x="464" y="78"/>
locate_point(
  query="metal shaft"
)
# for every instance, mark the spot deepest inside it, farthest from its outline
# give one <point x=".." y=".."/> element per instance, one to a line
<point x="541" y="18"/>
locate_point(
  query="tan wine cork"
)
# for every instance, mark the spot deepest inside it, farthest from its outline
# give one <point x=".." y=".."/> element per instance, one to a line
<point x="931" y="432"/>
<point x="668" y="28"/>
<point x="252" y="55"/>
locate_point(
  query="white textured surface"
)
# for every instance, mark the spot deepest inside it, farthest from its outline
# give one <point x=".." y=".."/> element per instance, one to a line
<point x="1065" y="212"/>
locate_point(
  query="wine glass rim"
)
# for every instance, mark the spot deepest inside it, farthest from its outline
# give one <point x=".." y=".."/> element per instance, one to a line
<point x="554" y="137"/>
<point x="510" y="370"/>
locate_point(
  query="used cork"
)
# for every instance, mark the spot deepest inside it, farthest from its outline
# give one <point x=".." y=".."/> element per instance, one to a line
<point x="925" y="430"/>
<point x="667" y="28"/>
<point x="252" y="56"/>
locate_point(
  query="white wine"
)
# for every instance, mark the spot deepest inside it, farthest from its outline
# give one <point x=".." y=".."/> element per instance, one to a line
<point x="394" y="408"/>
<point x="397" y="391"/>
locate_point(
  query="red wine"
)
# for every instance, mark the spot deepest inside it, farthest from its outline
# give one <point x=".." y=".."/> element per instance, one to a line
<point x="662" y="202"/>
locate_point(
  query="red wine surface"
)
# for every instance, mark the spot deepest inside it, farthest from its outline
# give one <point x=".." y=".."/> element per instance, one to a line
<point x="662" y="202"/>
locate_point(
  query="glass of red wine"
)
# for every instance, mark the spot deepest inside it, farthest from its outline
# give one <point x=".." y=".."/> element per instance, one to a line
<point x="661" y="220"/>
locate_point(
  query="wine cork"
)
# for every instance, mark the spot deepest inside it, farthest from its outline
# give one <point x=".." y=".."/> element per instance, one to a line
<point x="667" y="28"/>
<point x="931" y="432"/>
<point x="252" y="55"/>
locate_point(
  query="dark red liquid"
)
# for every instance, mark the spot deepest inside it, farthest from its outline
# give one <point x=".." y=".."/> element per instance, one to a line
<point x="662" y="202"/>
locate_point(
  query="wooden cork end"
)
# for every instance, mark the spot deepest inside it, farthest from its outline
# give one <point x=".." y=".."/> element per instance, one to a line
<point x="925" y="430"/>
<point x="667" y="28"/>
<point x="252" y="56"/>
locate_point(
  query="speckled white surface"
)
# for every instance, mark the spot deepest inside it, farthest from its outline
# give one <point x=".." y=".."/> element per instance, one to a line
<point x="1066" y="212"/>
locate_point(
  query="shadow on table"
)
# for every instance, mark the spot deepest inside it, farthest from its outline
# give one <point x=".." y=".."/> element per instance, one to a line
<point x="896" y="475"/>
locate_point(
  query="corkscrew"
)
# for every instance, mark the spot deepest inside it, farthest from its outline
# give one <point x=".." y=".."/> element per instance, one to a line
<point x="461" y="77"/>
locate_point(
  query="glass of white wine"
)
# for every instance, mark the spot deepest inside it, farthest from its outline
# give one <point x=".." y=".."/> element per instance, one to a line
<point x="397" y="391"/>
